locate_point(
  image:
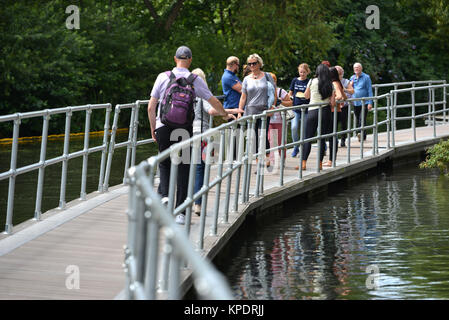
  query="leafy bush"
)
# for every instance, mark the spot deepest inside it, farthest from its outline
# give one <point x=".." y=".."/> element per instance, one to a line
<point x="437" y="157"/>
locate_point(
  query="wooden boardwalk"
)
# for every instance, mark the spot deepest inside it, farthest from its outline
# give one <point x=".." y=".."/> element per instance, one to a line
<point x="40" y="260"/>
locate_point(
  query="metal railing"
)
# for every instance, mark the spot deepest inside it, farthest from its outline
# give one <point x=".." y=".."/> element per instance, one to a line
<point x="107" y="149"/>
<point x="64" y="158"/>
<point x="231" y="170"/>
<point x="150" y="220"/>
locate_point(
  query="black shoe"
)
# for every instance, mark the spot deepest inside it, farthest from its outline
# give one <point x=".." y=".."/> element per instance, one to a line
<point x="342" y="144"/>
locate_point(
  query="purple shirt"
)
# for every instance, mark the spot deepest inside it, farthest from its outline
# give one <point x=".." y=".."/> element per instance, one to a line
<point x="201" y="89"/>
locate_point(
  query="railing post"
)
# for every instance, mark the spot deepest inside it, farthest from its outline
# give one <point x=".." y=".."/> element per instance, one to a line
<point x="209" y="148"/>
<point x="444" y="101"/>
<point x="413" y="114"/>
<point x="393" y="120"/>
<point x="429" y="106"/>
<point x="334" y="137"/>
<point x="319" y="142"/>
<point x="434" y="114"/>
<point x="130" y="141"/>
<point x="85" y="153"/>
<point x="248" y="159"/>
<point x="219" y="176"/>
<point x="240" y="156"/>
<point x="111" y="148"/>
<point x="104" y="150"/>
<point x="230" y="158"/>
<point x="195" y="161"/>
<point x="362" y="130"/>
<point x="375" y="130"/>
<point x="395" y="103"/>
<point x="175" y="264"/>
<point x="389" y="99"/>
<point x="173" y="180"/>
<point x="261" y="135"/>
<point x="301" y="141"/>
<point x="152" y="256"/>
<point x="12" y="178"/>
<point x="348" y="135"/>
<point x="134" y="136"/>
<point x="132" y="227"/>
<point x="40" y="179"/>
<point x="283" y="151"/>
<point x="65" y="162"/>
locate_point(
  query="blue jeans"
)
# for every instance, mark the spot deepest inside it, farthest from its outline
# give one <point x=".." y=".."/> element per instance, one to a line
<point x="296" y="123"/>
<point x="199" y="179"/>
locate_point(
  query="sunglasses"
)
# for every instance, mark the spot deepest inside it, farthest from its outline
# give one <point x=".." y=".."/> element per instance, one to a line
<point x="251" y="64"/>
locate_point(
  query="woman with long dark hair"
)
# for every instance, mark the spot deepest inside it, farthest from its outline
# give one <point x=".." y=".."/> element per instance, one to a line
<point x="319" y="90"/>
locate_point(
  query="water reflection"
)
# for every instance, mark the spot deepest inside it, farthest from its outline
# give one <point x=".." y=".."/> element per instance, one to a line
<point x="398" y="223"/>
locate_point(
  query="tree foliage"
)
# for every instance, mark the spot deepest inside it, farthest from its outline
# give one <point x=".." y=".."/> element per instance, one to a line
<point x="121" y="45"/>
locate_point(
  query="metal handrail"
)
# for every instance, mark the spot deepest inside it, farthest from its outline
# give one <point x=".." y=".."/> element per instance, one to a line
<point x="43" y="162"/>
<point x="148" y="220"/>
<point x="227" y="168"/>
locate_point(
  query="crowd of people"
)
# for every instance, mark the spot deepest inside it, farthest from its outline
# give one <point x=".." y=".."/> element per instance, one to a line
<point x="253" y="95"/>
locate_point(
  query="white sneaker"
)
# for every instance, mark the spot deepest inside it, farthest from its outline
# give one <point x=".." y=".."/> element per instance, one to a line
<point x="164" y="201"/>
<point x="180" y="219"/>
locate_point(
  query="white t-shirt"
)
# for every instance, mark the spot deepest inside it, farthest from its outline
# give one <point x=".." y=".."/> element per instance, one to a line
<point x="315" y="96"/>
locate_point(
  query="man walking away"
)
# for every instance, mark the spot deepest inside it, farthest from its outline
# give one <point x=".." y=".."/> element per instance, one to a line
<point x="165" y="134"/>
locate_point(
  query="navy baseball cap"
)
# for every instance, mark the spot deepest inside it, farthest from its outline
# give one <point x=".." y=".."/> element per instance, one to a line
<point x="183" y="52"/>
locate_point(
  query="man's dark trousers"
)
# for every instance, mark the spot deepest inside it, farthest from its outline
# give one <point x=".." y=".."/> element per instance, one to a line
<point x="164" y="142"/>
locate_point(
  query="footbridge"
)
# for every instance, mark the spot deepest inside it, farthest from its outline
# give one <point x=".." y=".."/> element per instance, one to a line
<point x="122" y="242"/>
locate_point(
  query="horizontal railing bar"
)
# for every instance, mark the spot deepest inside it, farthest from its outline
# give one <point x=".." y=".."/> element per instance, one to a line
<point x="383" y="85"/>
<point x="146" y="141"/>
<point x="423" y="115"/>
<point x="438" y="86"/>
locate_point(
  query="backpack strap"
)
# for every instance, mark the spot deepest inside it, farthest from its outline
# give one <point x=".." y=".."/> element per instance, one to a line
<point x="191" y="78"/>
<point x="170" y="75"/>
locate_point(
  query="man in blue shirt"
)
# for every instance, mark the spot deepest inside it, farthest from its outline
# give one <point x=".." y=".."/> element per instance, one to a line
<point x="232" y="86"/>
<point x="361" y="82"/>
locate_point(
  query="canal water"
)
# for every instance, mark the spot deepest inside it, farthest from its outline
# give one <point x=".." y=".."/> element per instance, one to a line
<point x="26" y="184"/>
<point x="384" y="238"/>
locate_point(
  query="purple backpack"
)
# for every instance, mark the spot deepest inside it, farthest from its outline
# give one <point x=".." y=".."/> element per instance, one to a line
<point x="177" y="106"/>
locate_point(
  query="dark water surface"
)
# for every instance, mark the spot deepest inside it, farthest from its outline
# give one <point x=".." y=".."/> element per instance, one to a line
<point x="384" y="238"/>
